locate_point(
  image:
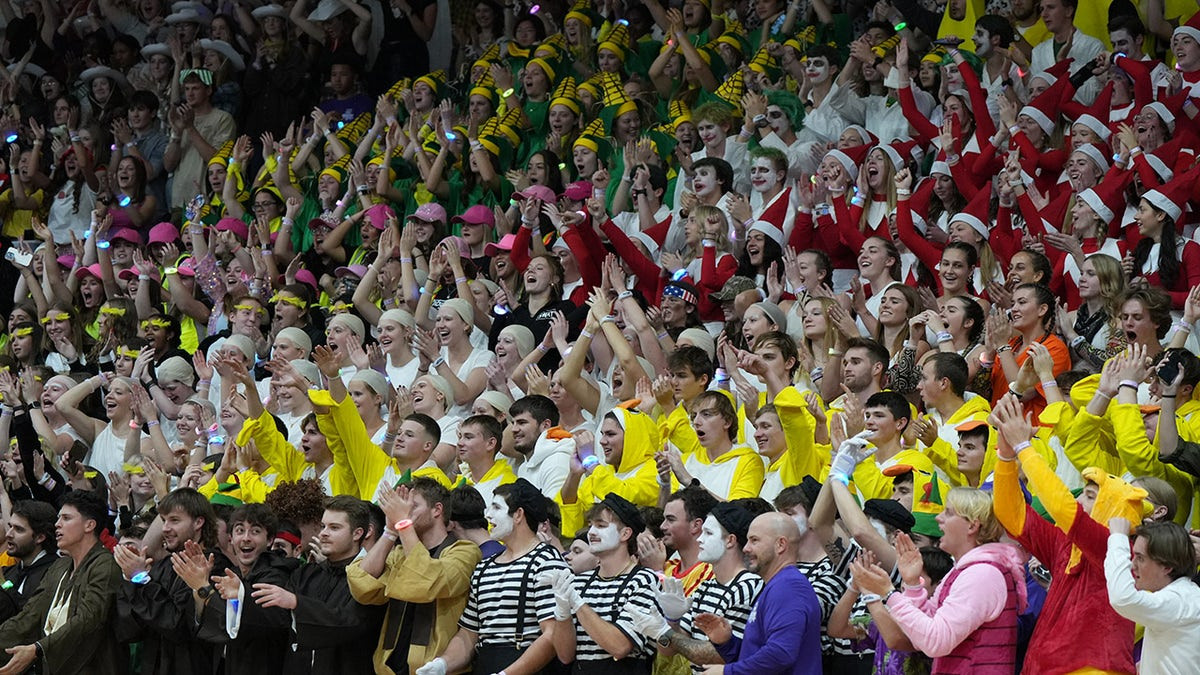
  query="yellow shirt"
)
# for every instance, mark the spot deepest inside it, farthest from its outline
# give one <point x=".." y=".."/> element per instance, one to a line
<point x="285" y="459"/>
<point x="366" y="462"/>
<point x="944" y="450"/>
<point x="17" y="221"/>
<point x="635" y="479"/>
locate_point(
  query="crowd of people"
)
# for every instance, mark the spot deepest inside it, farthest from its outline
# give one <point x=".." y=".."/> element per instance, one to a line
<point x="742" y="337"/>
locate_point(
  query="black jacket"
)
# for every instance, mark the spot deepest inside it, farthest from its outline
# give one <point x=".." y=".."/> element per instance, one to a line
<point x="265" y="636"/>
<point x="25" y="582"/>
<point x="161" y="614"/>
<point x="334" y="634"/>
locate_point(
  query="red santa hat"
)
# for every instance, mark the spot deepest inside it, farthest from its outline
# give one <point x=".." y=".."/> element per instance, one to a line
<point x="976" y="213"/>
<point x="1098" y="153"/>
<point x="1043" y="109"/>
<point x="1107" y="199"/>
<point x="1092" y="116"/>
<point x="850" y="158"/>
<point x="1191" y="28"/>
<point x="899" y="152"/>
<point x="1172" y="197"/>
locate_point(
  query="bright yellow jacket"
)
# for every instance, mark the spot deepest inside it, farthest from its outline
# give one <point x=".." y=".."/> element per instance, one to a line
<point x="635" y="479"/>
<point x="285" y="459"/>
<point x="499" y="473"/>
<point x="803" y="456"/>
<point x="944" y="451"/>
<point x="366" y="462"/>
<point x="736" y="474"/>
<point x="1091" y="442"/>
<point x="872" y="484"/>
<point x="1140" y="456"/>
<point x="252" y="486"/>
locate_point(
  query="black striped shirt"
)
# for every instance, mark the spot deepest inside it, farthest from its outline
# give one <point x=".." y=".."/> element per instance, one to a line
<point x="829" y="588"/>
<point x="505" y="604"/>
<point x="609" y="598"/>
<point x="733" y="601"/>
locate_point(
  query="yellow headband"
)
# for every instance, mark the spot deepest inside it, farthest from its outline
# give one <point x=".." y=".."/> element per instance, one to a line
<point x="112" y="311"/>
<point x="588" y="143"/>
<point x="23" y="332"/>
<point x="132" y="469"/>
<point x="290" y="300"/>
<point x="156" y="323"/>
<point x="128" y="353"/>
<point x="241" y="306"/>
<point x="340" y="307"/>
<point x="61" y="316"/>
<point x="90" y="474"/>
<point x="209" y="466"/>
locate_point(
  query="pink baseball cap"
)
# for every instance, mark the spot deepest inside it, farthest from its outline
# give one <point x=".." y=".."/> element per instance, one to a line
<point x="379" y="214"/>
<point x="505" y="245"/>
<point x="476" y="215"/>
<point x="237" y="227"/>
<point x="355" y="270"/>
<point x="464" y="249"/>
<point x="306" y="277"/>
<point x="132" y="273"/>
<point x="578" y="191"/>
<point x="92" y="270"/>
<point x="186" y="267"/>
<point x="535" y="192"/>
<point x="126" y="234"/>
<point x="66" y="260"/>
<point x="430" y="213"/>
<point x="163" y="233"/>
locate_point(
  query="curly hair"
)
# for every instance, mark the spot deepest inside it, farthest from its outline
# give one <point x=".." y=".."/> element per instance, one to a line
<point x="302" y="501"/>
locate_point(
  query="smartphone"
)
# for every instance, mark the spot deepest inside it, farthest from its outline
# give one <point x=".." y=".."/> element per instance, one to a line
<point x="21" y="258"/>
<point x="1168" y="370"/>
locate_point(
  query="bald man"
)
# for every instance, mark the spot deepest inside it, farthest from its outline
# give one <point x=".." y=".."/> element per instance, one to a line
<point x="783" y="636"/>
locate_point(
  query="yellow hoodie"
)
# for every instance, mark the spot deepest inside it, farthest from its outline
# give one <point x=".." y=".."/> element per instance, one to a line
<point x="286" y="459"/>
<point x="364" y="461"/>
<point x="1140" y="456"/>
<point x="635" y="479"/>
<point x="944" y="451"/>
<point x="803" y="457"/>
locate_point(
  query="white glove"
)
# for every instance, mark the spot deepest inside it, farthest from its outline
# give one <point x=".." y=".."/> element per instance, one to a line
<point x="648" y="622"/>
<point x="850" y="453"/>
<point x="566" y="599"/>
<point x="434" y="667"/>
<point x="672" y="600"/>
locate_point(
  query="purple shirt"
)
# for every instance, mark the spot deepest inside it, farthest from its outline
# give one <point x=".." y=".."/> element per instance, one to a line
<point x="783" y="635"/>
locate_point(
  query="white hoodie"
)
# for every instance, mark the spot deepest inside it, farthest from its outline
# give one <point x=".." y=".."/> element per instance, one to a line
<point x="550" y="462"/>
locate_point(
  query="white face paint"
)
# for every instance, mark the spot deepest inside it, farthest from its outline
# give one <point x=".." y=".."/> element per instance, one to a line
<point x="711" y="540"/>
<point x="498" y="517"/>
<point x="603" y="539"/>
<point x="879" y="528"/>
<point x="801" y="519"/>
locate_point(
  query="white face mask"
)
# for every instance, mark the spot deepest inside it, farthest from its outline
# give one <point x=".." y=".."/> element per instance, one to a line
<point x="607" y="538"/>
<point x="499" y="518"/>
<point x="801" y="519"/>
<point x="711" y="540"/>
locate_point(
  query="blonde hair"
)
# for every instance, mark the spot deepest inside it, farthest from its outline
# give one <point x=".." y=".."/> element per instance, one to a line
<point x="975" y="504"/>
<point x="889" y="188"/>
<point x="1112" y="283"/>
<point x="704" y="213"/>
<point x="831" y="331"/>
